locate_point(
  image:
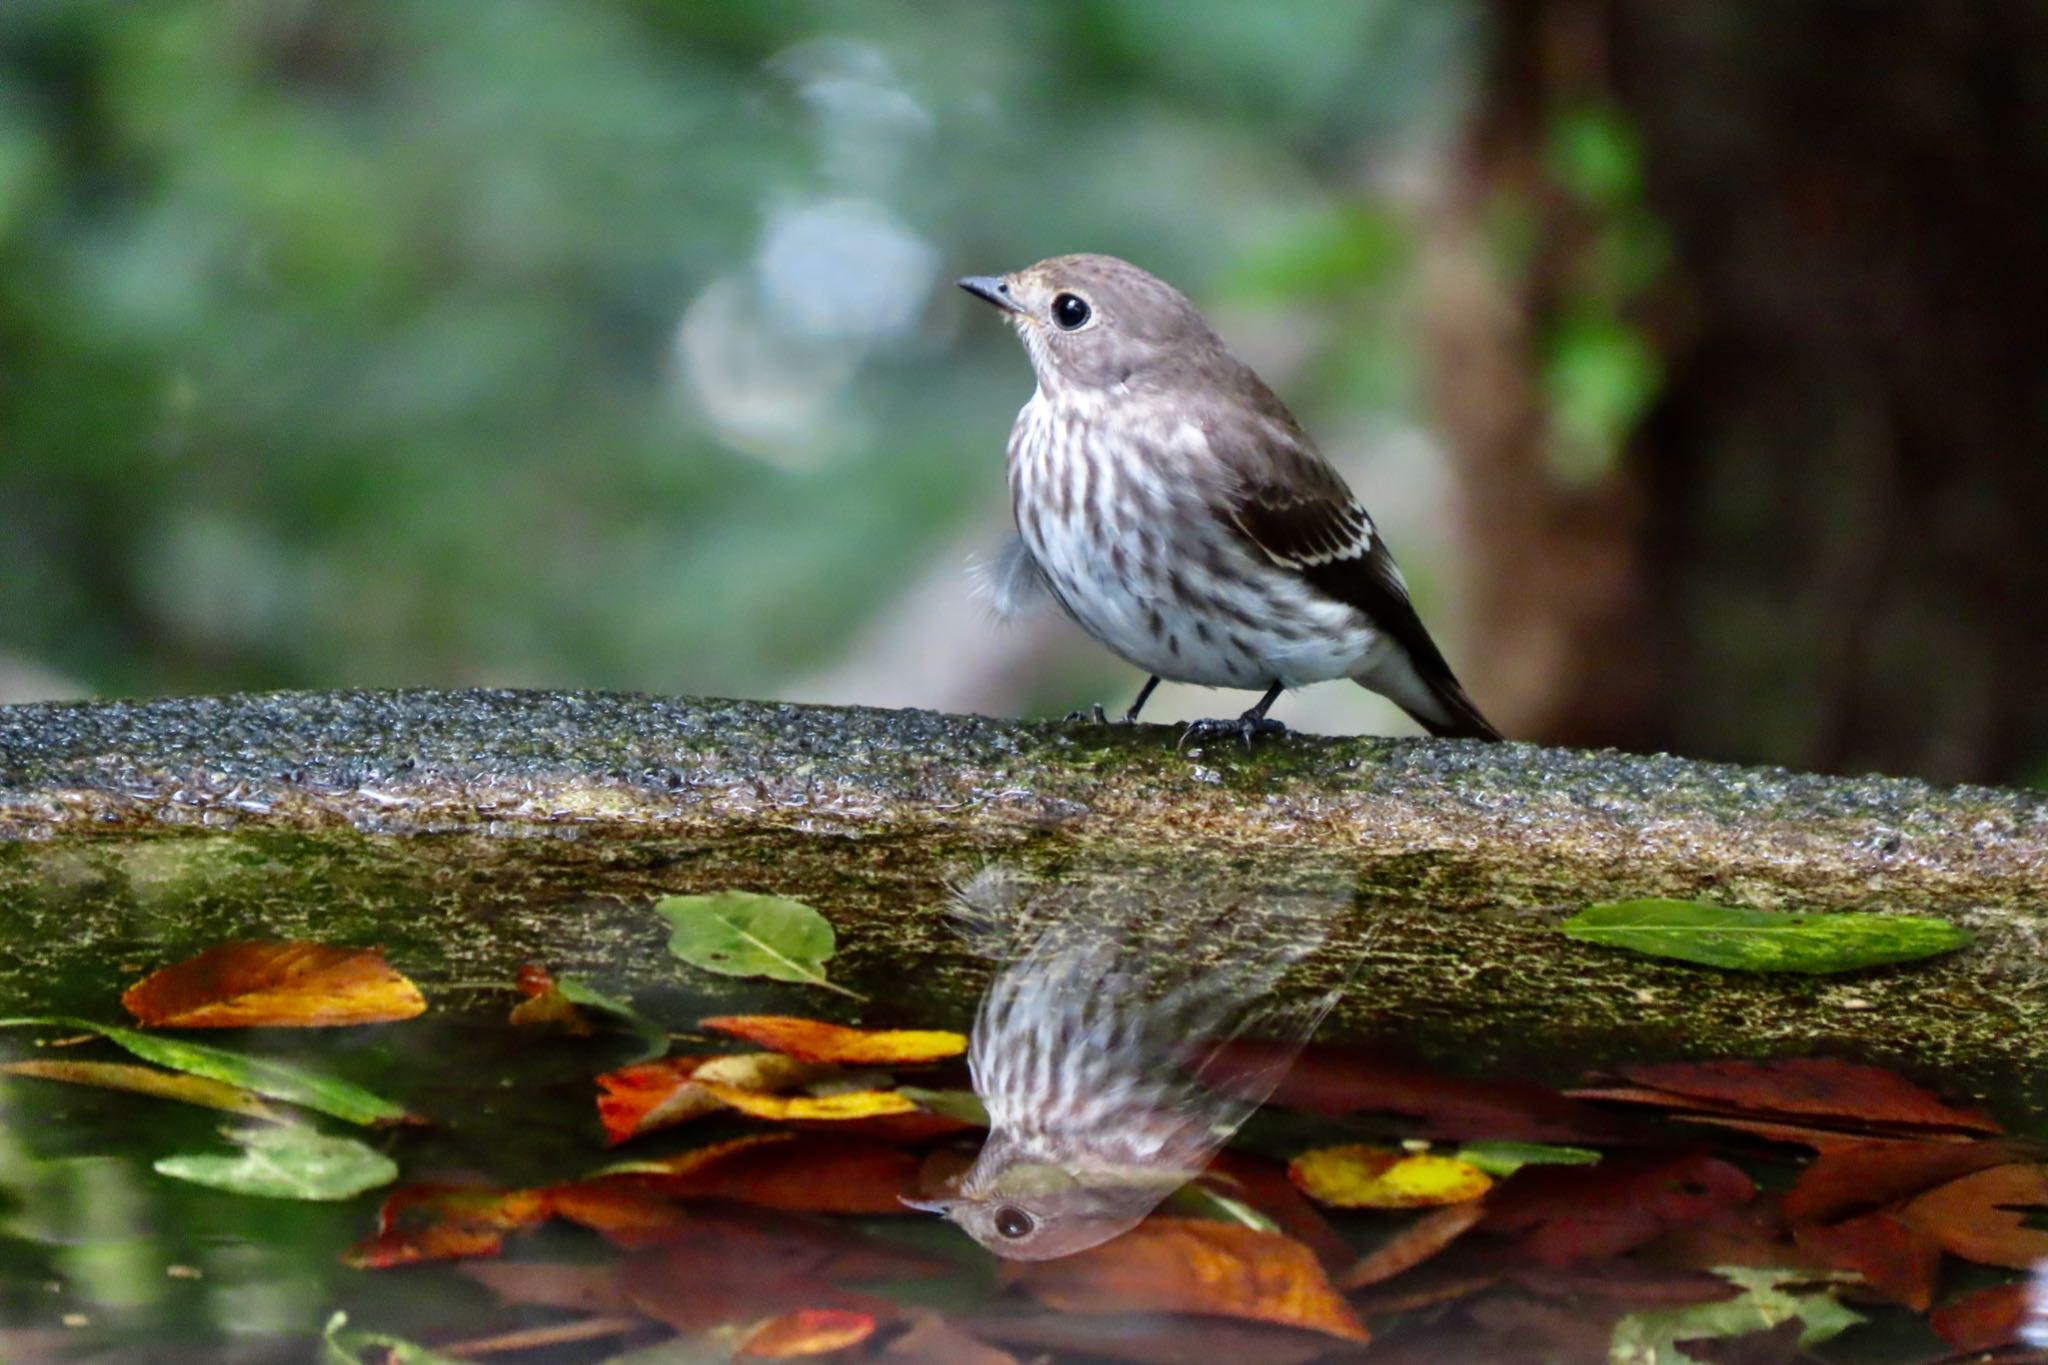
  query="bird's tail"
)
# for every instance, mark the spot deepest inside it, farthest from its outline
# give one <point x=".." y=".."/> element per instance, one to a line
<point x="1437" y="703"/>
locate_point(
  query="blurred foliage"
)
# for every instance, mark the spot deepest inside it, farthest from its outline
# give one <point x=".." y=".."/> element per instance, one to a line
<point x="608" y="342"/>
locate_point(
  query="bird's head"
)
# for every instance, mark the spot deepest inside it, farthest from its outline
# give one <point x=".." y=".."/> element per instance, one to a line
<point x="1030" y="1210"/>
<point x="1097" y="323"/>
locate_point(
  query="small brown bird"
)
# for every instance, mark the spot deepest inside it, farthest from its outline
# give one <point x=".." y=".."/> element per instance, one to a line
<point x="1176" y="510"/>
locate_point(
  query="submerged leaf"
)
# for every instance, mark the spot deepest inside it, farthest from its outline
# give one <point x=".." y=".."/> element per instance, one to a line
<point x="341" y="1347"/>
<point x="275" y="985"/>
<point x="1187" y="1265"/>
<point x="806" y="1332"/>
<point x="820" y="1042"/>
<point x="287" y="1163"/>
<point x="847" y="1104"/>
<point x="145" y="1080"/>
<point x="641" y="1098"/>
<point x="1763" y="940"/>
<point x="1769" y="1296"/>
<point x="275" y="1080"/>
<point x="744" y="933"/>
<point x="1357" y="1176"/>
<point x="1505" y="1158"/>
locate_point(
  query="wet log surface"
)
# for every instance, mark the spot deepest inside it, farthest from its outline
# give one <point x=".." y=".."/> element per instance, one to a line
<point x="471" y="831"/>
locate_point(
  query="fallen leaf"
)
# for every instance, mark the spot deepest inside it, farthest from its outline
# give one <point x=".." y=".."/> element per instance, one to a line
<point x="1571" y="1213"/>
<point x="1767" y="1297"/>
<point x="629" y="1211"/>
<point x="806" y="1172"/>
<point x="274" y="1080"/>
<point x="340" y="1346"/>
<point x="1777" y="1345"/>
<point x="1983" y="1217"/>
<point x="579" y="1288"/>
<point x="639" y="1099"/>
<point x="1357" y="1176"/>
<point x="697" y="1284"/>
<point x="1625" y="1281"/>
<point x="1985" y="1319"/>
<point x="445" y="1222"/>
<point x="1334" y="1080"/>
<point x="1505" y="1158"/>
<point x="145" y="1080"/>
<point x="933" y="1340"/>
<point x="1187" y="1265"/>
<point x="288" y="1162"/>
<point x="1894" y="1258"/>
<point x="545" y="1005"/>
<point x="1762" y="940"/>
<point x="846" y="1104"/>
<point x="275" y="985"/>
<point x="1871" y="1175"/>
<point x="1415" y="1242"/>
<point x="910" y="1130"/>
<point x="964" y="1105"/>
<point x="1811" y="1087"/>
<point x="806" y="1332"/>
<point x="744" y="933"/>
<point x="819" y="1042"/>
<point x="1264" y="1185"/>
<point x="1150" y="1339"/>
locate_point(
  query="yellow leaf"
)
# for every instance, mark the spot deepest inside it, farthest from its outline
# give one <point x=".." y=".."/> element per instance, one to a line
<point x="147" y="1080"/>
<point x="820" y="1042"/>
<point x="851" y="1104"/>
<point x="1362" y="1177"/>
<point x="275" y="985"/>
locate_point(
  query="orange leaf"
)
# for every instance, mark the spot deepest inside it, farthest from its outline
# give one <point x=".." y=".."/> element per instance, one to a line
<point x="819" y="1042"/>
<point x="1190" y="1265"/>
<point x="1813" y="1087"/>
<point x="849" y="1104"/>
<point x="445" y="1222"/>
<point x="804" y="1172"/>
<point x="275" y="985"/>
<point x="806" y="1332"/>
<point x="1415" y="1243"/>
<point x="630" y="1211"/>
<point x="1983" y="1217"/>
<point x="640" y="1099"/>
<point x="1897" y="1260"/>
<point x="1984" y="1320"/>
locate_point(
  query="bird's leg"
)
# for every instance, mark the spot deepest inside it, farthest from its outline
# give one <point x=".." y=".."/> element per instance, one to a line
<point x="1144" y="695"/>
<point x="1248" y="726"/>
<point x="1098" y="716"/>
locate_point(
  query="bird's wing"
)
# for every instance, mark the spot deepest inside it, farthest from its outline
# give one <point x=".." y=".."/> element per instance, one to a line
<point x="1285" y="502"/>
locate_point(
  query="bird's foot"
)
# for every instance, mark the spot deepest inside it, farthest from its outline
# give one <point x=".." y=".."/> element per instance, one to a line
<point x="1094" y="715"/>
<point x="1248" y="727"/>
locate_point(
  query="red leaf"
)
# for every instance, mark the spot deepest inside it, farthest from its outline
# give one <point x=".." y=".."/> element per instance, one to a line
<point x="1417" y="1241"/>
<point x="806" y="1332"/>
<point x="445" y="1222"/>
<point x="1986" y="1319"/>
<point x="807" y="1172"/>
<point x="1870" y="1175"/>
<point x="697" y="1284"/>
<point x="1898" y="1261"/>
<point x="1630" y="1282"/>
<point x="1333" y="1080"/>
<point x="1983" y="1217"/>
<point x="1814" y="1087"/>
<point x="1573" y="1213"/>
<point x="275" y="985"/>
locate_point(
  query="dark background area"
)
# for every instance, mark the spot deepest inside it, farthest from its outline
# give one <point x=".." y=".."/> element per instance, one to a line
<point x="1684" y="350"/>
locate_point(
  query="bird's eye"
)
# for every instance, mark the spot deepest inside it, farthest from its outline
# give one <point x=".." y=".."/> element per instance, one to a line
<point x="1013" y="1222"/>
<point x="1071" y="312"/>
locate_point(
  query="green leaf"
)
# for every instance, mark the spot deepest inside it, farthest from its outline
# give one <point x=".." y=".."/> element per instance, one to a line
<point x="286" y="1163"/>
<point x="275" y="1080"/>
<point x="742" y="933"/>
<point x="653" y="1037"/>
<point x="1763" y="940"/>
<point x="1200" y="1200"/>
<point x="1505" y="1158"/>
<point x="1768" y="1298"/>
<point x="963" y="1105"/>
<point x="341" y="1347"/>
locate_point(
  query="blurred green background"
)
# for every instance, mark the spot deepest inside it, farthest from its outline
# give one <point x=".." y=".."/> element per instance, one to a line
<point x="611" y="343"/>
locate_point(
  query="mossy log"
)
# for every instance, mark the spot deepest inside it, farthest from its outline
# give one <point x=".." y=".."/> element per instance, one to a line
<point x="471" y="831"/>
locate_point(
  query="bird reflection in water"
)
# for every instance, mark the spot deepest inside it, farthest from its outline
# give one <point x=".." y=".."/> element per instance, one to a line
<point x="1094" y="1053"/>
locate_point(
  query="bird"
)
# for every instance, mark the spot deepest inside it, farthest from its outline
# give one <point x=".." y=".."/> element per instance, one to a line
<point x="1103" y="1061"/>
<point x="1169" y="502"/>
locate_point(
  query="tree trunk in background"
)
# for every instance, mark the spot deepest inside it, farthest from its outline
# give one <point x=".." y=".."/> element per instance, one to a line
<point x="1825" y="543"/>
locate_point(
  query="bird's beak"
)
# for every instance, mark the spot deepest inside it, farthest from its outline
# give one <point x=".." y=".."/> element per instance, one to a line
<point x="993" y="288"/>
<point x="942" y="1207"/>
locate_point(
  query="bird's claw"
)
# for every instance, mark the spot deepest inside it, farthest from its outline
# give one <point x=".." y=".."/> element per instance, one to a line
<point x="1094" y="715"/>
<point x="1248" y="727"/>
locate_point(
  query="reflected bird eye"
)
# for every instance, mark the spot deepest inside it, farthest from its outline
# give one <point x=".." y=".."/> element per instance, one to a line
<point x="1070" y="311"/>
<point x="1013" y="1222"/>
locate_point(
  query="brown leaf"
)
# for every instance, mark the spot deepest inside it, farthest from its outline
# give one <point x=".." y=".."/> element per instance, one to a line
<point x="1895" y="1259"/>
<point x="1983" y="1217"/>
<point x="1572" y="1213"/>
<point x="1334" y="1080"/>
<point x="275" y="985"/>
<point x="1152" y="1339"/>
<point x="806" y="1172"/>
<point x="806" y="1332"/>
<point x="696" y="1284"/>
<point x="628" y="1211"/>
<point x="1814" y="1087"/>
<point x="445" y="1222"/>
<point x="1630" y="1282"/>
<point x="1417" y="1241"/>
<point x="548" y="1284"/>
<point x="820" y="1042"/>
<point x="932" y="1340"/>
<point x="1264" y="1185"/>
<point x="1871" y="1175"/>
<point x="1189" y="1265"/>
<point x="1983" y="1320"/>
